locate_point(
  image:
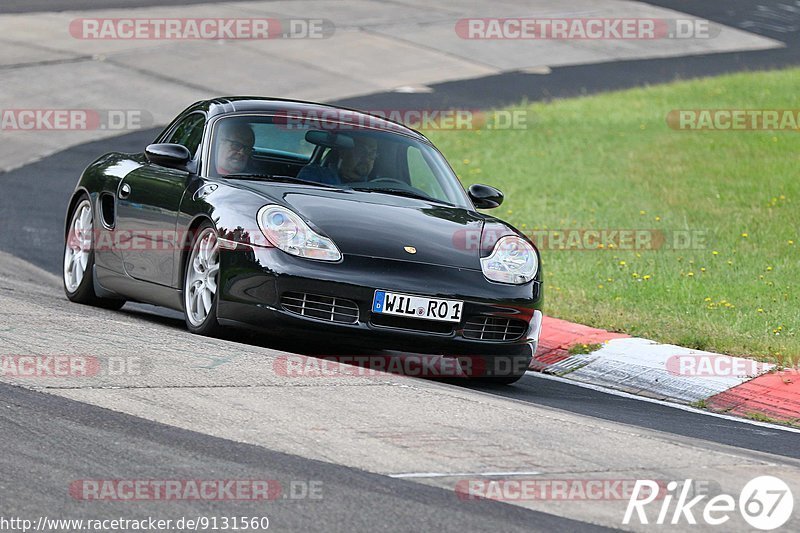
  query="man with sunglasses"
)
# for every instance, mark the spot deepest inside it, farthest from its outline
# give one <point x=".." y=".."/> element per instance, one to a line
<point x="234" y="145"/>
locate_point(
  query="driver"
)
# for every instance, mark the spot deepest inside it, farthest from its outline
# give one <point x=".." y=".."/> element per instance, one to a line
<point x="234" y="146"/>
<point x="354" y="165"/>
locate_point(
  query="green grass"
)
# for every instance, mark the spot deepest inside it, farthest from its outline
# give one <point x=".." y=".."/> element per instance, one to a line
<point x="611" y="161"/>
<point x="761" y="417"/>
<point x="699" y="404"/>
<point x="578" y="349"/>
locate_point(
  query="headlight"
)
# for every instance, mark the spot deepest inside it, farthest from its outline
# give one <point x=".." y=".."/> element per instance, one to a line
<point x="287" y="231"/>
<point x="513" y="260"/>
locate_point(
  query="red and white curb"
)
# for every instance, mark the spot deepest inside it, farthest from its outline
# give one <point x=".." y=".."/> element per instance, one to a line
<point x="667" y="372"/>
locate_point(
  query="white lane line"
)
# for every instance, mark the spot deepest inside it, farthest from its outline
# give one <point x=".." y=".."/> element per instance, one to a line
<point x="663" y="402"/>
<point x="462" y="474"/>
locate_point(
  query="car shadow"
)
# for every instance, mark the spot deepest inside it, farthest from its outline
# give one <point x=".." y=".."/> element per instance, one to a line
<point x="369" y="361"/>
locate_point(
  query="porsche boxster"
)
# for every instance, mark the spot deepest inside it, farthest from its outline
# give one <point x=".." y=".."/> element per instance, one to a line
<point x="301" y="219"/>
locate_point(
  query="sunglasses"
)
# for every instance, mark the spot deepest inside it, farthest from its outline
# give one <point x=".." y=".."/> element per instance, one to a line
<point x="238" y="147"/>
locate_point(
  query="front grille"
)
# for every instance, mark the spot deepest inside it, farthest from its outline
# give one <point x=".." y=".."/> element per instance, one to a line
<point x="413" y="324"/>
<point x="494" y="328"/>
<point x="321" y="307"/>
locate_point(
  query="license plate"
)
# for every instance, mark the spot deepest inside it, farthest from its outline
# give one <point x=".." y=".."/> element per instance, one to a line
<point x="392" y="303"/>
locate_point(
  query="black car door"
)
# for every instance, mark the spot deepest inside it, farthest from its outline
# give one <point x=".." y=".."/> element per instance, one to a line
<point x="147" y="209"/>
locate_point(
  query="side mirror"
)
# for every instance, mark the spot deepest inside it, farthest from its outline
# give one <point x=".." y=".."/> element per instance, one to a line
<point x="485" y="197"/>
<point x="168" y="155"/>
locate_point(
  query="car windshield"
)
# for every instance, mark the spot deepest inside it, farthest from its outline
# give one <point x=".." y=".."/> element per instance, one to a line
<point x="332" y="154"/>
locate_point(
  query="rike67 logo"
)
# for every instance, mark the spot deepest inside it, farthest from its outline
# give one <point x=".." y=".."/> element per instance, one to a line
<point x="765" y="503"/>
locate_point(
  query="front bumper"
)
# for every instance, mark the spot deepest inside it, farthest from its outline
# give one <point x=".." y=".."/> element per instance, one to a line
<point x="254" y="279"/>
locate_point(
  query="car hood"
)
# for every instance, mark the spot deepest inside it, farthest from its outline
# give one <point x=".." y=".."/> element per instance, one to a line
<point x="379" y="225"/>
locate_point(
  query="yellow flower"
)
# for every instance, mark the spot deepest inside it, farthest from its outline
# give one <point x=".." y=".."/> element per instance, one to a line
<point x="769" y="269"/>
<point x="610" y="245"/>
<point x="706" y="299"/>
<point x="744" y="235"/>
<point x="622" y="263"/>
<point x="702" y="269"/>
<point x="642" y="212"/>
<point x="791" y="242"/>
<point x="760" y="310"/>
<point x="658" y="219"/>
<point x="600" y="286"/>
<point x="715" y="252"/>
<point x="690" y="274"/>
<point x="730" y="262"/>
<point x="635" y="275"/>
<point x="646" y="276"/>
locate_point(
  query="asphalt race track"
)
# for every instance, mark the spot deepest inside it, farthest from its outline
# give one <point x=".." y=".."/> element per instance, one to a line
<point x="89" y="439"/>
<point x="184" y="423"/>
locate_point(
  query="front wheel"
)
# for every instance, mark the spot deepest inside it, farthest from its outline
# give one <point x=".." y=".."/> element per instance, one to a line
<point x="200" y="280"/>
<point x="79" y="259"/>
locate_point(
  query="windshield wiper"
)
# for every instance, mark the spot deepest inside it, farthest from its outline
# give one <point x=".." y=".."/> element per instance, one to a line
<point x="401" y="192"/>
<point x="275" y="177"/>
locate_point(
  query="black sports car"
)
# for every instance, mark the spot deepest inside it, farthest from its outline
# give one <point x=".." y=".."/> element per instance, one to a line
<point x="303" y="219"/>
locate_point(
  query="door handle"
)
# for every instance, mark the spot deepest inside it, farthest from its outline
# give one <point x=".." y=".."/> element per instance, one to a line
<point x="124" y="191"/>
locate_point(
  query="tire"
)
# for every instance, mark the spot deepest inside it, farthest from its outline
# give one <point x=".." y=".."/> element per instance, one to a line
<point x="200" y="278"/>
<point x="77" y="274"/>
